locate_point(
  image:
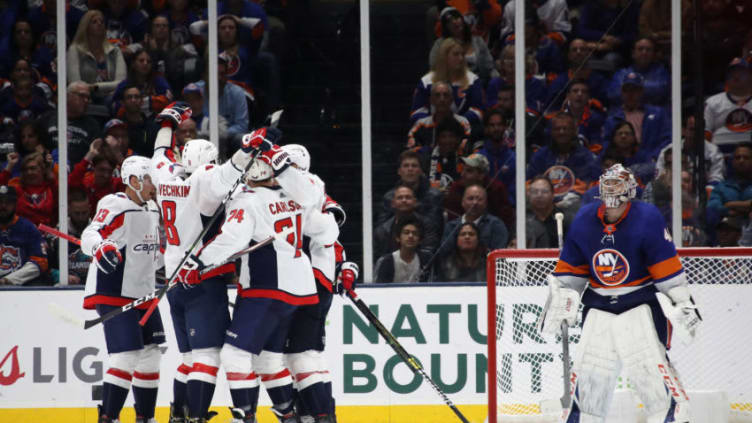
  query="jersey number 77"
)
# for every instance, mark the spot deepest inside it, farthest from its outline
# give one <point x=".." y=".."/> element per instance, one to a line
<point x="293" y="237"/>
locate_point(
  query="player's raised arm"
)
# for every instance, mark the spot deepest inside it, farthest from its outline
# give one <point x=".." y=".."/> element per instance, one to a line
<point x="293" y="181"/>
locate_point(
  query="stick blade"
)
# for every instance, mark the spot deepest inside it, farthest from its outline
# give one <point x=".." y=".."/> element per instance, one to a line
<point x="65" y="315"/>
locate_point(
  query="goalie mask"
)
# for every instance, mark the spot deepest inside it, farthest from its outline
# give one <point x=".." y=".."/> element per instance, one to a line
<point x="299" y="156"/>
<point x="617" y="186"/>
<point x="196" y="153"/>
<point x="137" y="166"/>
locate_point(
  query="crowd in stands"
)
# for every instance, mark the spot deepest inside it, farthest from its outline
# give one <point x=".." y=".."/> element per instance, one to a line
<point x="597" y="92"/>
<point x="125" y="61"/>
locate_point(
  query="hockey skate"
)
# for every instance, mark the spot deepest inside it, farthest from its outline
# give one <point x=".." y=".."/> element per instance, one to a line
<point x="327" y="418"/>
<point x="240" y="416"/>
<point x="174" y="418"/>
<point x="140" y="419"/>
<point x="208" y="417"/>
<point x="103" y="417"/>
<point x="286" y="417"/>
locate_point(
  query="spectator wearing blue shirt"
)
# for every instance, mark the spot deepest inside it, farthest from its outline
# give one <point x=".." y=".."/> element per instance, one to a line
<point x="588" y="112"/>
<point x="233" y="104"/>
<point x="651" y="123"/>
<point x="578" y="68"/>
<point x="535" y="86"/>
<point x="624" y="147"/>
<point x="657" y="79"/>
<point x="450" y="67"/>
<point x="566" y="163"/>
<point x="23" y="260"/>
<point x="733" y="197"/>
<point x="496" y="148"/>
<point x="609" y="28"/>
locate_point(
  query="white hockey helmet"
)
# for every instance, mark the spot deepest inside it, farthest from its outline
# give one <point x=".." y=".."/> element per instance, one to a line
<point x="299" y="156"/>
<point x="198" y="152"/>
<point x="617" y="186"/>
<point x="138" y="166"/>
<point x="259" y="171"/>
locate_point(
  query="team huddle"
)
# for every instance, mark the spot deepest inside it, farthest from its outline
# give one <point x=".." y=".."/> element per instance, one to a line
<point x="285" y="227"/>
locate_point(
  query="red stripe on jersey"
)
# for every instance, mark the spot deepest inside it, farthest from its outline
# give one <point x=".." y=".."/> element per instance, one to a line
<point x="184" y="369"/>
<point x="241" y="376"/>
<point x="108" y="229"/>
<point x="93" y="300"/>
<point x="596" y="284"/>
<point x="122" y="374"/>
<point x="280" y="375"/>
<point x="217" y="271"/>
<point x="323" y="280"/>
<point x="665" y="268"/>
<point x="281" y="296"/>
<point x="564" y="267"/>
<point x="205" y="368"/>
<point x="146" y="376"/>
<point x="339" y="252"/>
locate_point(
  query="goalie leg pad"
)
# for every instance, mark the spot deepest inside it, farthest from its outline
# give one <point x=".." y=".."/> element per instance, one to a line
<point x="305" y="368"/>
<point x="643" y="356"/>
<point x="205" y="365"/>
<point x="238" y="367"/>
<point x="146" y="374"/>
<point x="120" y="367"/>
<point x="596" y="365"/>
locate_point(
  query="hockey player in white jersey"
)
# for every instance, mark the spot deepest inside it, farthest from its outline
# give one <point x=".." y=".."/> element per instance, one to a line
<point x="306" y="340"/>
<point x="189" y="192"/>
<point x="123" y="238"/>
<point x="274" y="281"/>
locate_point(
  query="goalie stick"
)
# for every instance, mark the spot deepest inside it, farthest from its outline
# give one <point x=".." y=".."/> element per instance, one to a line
<point x="411" y="362"/>
<point x="566" y="398"/>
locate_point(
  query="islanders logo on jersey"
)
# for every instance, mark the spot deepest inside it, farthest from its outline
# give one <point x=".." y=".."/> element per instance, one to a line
<point x="10" y="259"/>
<point x="610" y="266"/>
<point x="562" y="178"/>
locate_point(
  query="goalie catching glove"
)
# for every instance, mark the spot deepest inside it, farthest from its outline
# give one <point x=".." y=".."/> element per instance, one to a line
<point x="562" y="306"/>
<point x="190" y="273"/>
<point x="680" y="309"/>
<point x="263" y="142"/>
<point x="107" y="256"/>
<point x="348" y="274"/>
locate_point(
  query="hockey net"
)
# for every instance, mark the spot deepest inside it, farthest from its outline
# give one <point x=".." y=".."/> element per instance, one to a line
<point x="526" y="368"/>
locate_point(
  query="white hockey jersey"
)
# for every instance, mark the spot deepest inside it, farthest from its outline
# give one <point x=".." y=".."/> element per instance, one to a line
<point x="323" y="256"/>
<point x="728" y="121"/>
<point x="279" y="270"/>
<point x="187" y="203"/>
<point x="135" y="230"/>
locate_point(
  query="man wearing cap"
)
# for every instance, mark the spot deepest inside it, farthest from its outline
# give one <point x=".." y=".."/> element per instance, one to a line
<point x="728" y="114"/>
<point x="23" y="256"/>
<point x="651" y="123"/>
<point x="194" y="96"/>
<point x="82" y="129"/>
<point x="116" y="137"/>
<point x="475" y="171"/>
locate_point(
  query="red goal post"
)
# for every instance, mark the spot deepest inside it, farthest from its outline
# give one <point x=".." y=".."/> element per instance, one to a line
<point x="525" y="370"/>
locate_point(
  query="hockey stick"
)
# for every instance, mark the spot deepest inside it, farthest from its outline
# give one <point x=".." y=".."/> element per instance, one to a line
<point x="566" y="398"/>
<point x="273" y="121"/>
<point x="50" y="230"/>
<point x="407" y="358"/>
<point x="158" y="294"/>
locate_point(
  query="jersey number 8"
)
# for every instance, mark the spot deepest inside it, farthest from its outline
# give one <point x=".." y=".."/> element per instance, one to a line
<point x="168" y="216"/>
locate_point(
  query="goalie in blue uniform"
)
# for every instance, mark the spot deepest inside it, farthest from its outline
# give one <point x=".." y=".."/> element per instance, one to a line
<point x="620" y="263"/>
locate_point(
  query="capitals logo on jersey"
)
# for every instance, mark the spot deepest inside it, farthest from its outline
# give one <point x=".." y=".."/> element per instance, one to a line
<point x="610" y="267"/>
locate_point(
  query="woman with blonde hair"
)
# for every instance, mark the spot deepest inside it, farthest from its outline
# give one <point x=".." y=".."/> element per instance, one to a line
<point x="92" y="59"/>
<point x="450" y="67"/>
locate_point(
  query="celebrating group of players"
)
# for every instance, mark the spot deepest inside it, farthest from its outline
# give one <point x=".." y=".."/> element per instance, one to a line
<point x="281" y="213"/>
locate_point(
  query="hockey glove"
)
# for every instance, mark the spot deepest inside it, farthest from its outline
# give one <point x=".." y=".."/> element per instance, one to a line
<point x="332" y="207"/>
<point x="174" y="114"/>
<point x="107" y="256"/>
<point x="190" y="273"/>
<point x="262" y="139"/>
<point x="348" y="274"/>
<point x="562" y="305"/>
<point x="680" y="309"/>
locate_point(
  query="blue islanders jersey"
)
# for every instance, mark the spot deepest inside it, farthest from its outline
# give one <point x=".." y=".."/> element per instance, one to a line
<point x="635" y="253"/>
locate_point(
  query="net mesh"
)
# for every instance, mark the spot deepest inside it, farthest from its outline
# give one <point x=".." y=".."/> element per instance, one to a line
<point x="529" y="367"/>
